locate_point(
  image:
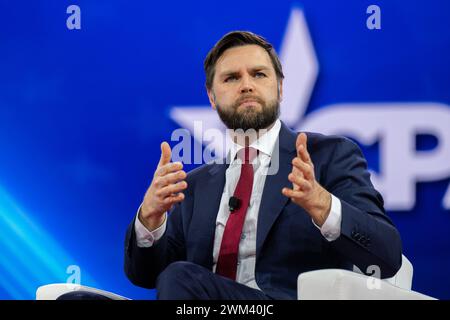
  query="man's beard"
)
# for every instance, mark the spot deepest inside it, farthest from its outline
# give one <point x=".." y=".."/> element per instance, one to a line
<point x="249" y="118"/>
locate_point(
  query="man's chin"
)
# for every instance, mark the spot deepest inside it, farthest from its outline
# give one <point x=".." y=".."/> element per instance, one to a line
<point x="255" y="107"/>
<point x="248" y="112"/>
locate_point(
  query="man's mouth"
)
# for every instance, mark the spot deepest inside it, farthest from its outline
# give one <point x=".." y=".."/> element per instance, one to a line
<point x="248" y="103"/>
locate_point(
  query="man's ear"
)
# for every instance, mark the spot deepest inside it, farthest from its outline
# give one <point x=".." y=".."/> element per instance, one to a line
<point x="212" y="98"/>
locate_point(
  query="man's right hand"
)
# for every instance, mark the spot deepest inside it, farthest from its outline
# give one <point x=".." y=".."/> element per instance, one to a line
<point x="164" y="191"/>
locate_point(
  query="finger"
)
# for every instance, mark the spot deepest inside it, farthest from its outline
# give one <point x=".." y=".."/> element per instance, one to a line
<point x="301" y="141"/>
<point x="168" y="168"/>
<point x="171" y="178"/>
<point x="305" y="168"/>
<point x="304" y="154"/>
<point x="172" y="189"/>
<point x="295" y="194"/>
<point x="298" y="173"/>
<point x="174" y="199"/>
<point x="300" y="182"/>
<point x="295" y="170"/>
<point x="166" y="154"/>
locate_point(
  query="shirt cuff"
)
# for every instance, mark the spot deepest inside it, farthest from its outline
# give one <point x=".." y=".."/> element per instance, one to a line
<point x="144" y="237"/>
<point x="331" y="229"/>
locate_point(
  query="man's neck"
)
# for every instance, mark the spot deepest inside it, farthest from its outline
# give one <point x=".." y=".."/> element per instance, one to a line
<point x="246" y="138"/>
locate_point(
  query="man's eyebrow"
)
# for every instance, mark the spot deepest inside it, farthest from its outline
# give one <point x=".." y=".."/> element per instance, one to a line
<point x="233" y="73"/>
<point x="258" y="68"/>
<point x="229" y="73"/>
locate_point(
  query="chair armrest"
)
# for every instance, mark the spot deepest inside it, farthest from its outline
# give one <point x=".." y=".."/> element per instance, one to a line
<point x="337" y="284"/>
<point x="53" y="291"/>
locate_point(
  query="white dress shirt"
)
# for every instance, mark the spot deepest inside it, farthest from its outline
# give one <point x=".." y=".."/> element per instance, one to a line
<point x="331" y="229"/>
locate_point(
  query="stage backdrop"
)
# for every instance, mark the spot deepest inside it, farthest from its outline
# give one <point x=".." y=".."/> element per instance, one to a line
<point x="89" y="89"/>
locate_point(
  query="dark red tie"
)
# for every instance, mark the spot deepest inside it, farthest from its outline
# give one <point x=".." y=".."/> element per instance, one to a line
<point x="229" y="248"/>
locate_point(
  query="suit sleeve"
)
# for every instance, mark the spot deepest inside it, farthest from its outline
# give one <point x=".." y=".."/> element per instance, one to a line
<point x="368" y="237"/>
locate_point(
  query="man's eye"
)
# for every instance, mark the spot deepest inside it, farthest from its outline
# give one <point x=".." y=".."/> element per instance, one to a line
<point x="230" y="78"/>
<point x="260" y="75"/>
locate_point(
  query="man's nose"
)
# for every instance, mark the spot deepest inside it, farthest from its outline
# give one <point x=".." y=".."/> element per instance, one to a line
<point x="247" y="84"/>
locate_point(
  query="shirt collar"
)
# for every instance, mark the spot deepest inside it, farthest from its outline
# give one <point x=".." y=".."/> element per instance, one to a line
<point x="263" y="144"/>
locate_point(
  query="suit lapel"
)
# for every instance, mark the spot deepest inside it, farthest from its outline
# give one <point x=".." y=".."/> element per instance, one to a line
<point x="273" y="200"/>
<point x="206" y="207"/>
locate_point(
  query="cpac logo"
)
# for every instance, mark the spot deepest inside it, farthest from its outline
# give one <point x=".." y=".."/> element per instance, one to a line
<point x="393" y="125"/>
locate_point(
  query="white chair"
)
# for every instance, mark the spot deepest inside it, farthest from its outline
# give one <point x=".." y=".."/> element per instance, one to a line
<point x="56" y="290"/>
<point x="338" y="284"/>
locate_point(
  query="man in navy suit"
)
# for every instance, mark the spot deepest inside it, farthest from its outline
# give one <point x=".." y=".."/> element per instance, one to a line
<point x="241" y="230"/>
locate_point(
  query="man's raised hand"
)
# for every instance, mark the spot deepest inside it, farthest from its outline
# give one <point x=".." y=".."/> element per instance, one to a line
<point x="306" y="191"/>
<point x="164" y="191"/>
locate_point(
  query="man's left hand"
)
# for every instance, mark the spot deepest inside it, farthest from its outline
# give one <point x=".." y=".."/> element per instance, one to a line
<point x="306" y="191"/>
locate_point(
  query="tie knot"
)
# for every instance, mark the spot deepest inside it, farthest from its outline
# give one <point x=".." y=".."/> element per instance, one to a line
<point x="247" y="155"/>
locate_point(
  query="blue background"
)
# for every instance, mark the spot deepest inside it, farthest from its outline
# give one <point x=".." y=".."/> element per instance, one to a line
<point x="82" y="114"/>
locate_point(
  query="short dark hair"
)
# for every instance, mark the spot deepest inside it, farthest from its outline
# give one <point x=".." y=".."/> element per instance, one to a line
<point x="236" y="39"/>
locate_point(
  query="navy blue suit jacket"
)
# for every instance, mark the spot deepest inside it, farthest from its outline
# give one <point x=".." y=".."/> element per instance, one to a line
<point x="287" y="242"/>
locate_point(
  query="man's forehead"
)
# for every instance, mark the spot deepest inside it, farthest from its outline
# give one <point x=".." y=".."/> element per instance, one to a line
<point x="248" y="56"/>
